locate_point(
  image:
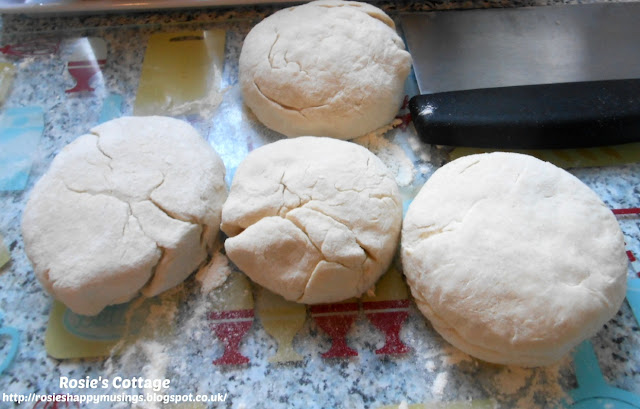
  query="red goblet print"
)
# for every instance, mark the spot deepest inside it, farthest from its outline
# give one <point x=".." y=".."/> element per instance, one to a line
<point x="336" y="320"/>
<point x="230" y="327"/>
<point x="87" y="59"/>
<point x="32" y="48"/>
<point x="387" y="308"/>
<point x="388" y="317"/>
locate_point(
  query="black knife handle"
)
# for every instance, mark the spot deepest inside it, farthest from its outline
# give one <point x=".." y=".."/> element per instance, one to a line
<point x="565" y="115"/>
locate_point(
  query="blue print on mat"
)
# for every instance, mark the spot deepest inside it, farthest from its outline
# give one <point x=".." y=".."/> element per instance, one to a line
<point x="110" y="324"/>
<point x="111" y="108"/>
<point x="20" y="132"/>
<point x="13" y="336"/>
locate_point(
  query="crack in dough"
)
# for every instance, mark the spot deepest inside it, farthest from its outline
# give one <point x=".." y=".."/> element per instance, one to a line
<point x="309" y="200"/>
<point x="270" y="54"/>
<point x="326" y="244"/>
<point x="118" y="212"/>
<point x="285" y="106"/>
<point x="128" y="201"/>
<point x="325" y="68"/>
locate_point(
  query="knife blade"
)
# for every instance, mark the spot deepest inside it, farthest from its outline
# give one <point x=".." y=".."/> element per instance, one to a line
<point x="539" y="77"/>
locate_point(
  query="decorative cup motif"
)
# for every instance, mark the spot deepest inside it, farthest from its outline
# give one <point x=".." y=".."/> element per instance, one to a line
<point x="231" y="317"/>
<point x="87" y="59"/>
<point x="336" y="320"/>
<point x="388" y="309"/>
<point x="32" y="48"/>
<point x="388" y="317"/>
<point x="230" y="327"/>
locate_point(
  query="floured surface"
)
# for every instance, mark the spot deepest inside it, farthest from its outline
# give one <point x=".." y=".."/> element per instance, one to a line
<point x="392" y="155"/>
<point x="367" y="381"/>
<point x="181" y="74"/>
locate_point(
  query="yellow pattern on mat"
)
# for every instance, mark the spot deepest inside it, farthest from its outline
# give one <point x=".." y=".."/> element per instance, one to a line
<point x="61" y="344"/>
<point x="70" y="335"/>
<point x="234" y="294"/>
<point x="4" y="253"/>
<point x="572" y="158"/>
<point x="7" y="74"/>
<point x="282" y="320"/>
<point x="390" y="286"/>
<point x="181" y="73"/>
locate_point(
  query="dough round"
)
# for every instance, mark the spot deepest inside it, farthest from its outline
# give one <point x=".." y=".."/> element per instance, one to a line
<point x="133" y="206"/>
<point x="313" y="219"/>
<point x="513" y="260"/>
<point x="325" y="68"/>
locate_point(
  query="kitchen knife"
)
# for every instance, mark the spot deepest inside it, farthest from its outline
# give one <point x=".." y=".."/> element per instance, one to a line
<point x="527" y="78"/>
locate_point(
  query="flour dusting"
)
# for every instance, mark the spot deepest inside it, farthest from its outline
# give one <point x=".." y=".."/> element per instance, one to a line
<point x="439" y="384"/>
<point x="157" y="359"/>
<point x="430" y="366"/>
<point x="423" y="150"/>
<point x="25" y="63"/>
<point x="204" y="107"/>
<point x="391" y="155"/>
<point x="214" y="274"/>
<point x="194" y="327"/>
<point x="524" y="387"/>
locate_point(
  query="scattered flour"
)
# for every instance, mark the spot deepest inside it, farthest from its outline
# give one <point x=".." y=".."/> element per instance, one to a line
<point x="498" y="386"/>
<point x="439" y="384"/>
<point x="204" y="107"/>
<point x="157" y="359"/>
<point x="214" y="274"/>
<point x="145" y="358"/>
<point x="144" y="352"/>
<point x="418" y="146"/>
<point x="25" y="63"/>
<point x="194" y="327"/>
<point x="430" y="366"/>
<point x="391" y="155"/>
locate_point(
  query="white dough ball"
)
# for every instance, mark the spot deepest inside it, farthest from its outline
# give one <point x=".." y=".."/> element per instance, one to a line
<point x="313" y="219"/>
<point x="326" y="68"/>
<point x="133" y="206"/>
<point x="513" y="260"/>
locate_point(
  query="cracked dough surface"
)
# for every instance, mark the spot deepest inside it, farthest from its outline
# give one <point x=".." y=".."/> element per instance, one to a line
<point x="313" y="219"/>
<point x="133" y="206"/>
<point x="513" y="260"/>
<point x="325" y="68"/>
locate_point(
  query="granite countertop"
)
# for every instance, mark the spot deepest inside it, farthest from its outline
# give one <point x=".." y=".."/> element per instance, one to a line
<point x="175" y="337"/>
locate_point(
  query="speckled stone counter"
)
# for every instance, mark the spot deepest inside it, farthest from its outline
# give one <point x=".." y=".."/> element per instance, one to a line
<point x="431" y="370"/>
